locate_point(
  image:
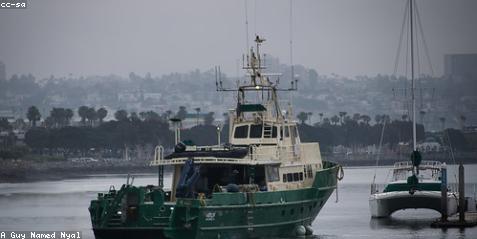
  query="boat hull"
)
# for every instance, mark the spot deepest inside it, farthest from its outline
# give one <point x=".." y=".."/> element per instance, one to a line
<point x="384" y="204"/>
<point x="225" y="215"/>
<point x="253" y="215"/>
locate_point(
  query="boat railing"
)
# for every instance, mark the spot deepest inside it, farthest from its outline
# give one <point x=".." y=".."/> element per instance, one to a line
<point x="158" y="155"/>
<point x="426" y="164"/>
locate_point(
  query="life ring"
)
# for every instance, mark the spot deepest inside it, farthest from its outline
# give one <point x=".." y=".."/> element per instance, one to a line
<point x="340" y="173"/>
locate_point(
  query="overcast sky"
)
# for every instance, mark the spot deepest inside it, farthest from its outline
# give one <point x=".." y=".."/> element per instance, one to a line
<point x="347" y="37"/>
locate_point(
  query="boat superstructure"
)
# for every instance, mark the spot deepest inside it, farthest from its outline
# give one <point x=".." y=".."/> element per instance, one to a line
<point x="264" y="182"/>
<point x="415" y="183"/>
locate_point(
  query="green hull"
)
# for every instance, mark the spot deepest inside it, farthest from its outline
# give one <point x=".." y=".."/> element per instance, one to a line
<point x="225" y="215"/>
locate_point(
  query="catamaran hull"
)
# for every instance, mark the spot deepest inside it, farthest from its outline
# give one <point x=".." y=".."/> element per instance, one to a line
<point x="384" y="204"/>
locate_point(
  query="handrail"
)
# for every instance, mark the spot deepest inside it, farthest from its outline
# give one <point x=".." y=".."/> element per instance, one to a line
<point x="158" y="156"/>
<point x="424" y="164"/>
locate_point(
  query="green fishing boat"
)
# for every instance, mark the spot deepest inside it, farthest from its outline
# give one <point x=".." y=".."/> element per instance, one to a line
<point x="264" y="182"/>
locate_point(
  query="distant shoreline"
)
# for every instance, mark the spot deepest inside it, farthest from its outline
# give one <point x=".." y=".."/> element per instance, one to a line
<point x="24" y="171"/>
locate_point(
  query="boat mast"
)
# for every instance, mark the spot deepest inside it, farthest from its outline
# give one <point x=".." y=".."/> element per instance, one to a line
<point x="412" y="81"/>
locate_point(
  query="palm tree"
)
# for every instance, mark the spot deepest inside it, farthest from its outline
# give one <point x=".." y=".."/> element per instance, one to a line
<point x="33" y="115"/>
<point x="101" y="113"/>
<point x="197" y="110"/>
<point x="91" y="116"/>
<point x="309" y="114"/>
<point x="378" y="119"/>
<point x="168" y="114"/>
<point x="366" y="119"/>
<point x="82" y="112"/>
<point x="57" y="115"/>
<point x="321" y="117"/>
<point x="182" y="113"/>
<point x="335" y="119"/>
<point x="209" y="118"/>
<point x="121" y="115"/>
<point x="404" y="117"/>
<point x="68" y="116"/>
<point x="134" y="117"/>
<point x="326" y="121"/>
<point x="302" y="116"/>
<point x="342" y="115"/>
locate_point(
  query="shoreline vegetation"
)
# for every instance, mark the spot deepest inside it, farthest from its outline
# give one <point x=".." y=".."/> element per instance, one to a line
<point x="21" y="171"/>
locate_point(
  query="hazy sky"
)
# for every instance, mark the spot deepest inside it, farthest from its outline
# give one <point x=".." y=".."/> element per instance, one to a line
<point x="347" y="37"/>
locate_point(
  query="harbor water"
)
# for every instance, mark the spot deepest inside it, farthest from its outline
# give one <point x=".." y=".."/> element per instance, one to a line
<point x="63" y="206"/>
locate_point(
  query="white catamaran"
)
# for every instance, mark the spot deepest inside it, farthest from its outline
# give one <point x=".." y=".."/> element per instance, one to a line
<point x="415" y="183"/>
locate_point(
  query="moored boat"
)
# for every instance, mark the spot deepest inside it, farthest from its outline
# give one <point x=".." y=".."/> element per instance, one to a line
<point x="411" y="191"/>
<point x="264" y="182"/>
<point x="415" y="183"/>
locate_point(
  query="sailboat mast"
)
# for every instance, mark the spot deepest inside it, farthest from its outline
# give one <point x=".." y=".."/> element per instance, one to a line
<point x="412" y="80"/>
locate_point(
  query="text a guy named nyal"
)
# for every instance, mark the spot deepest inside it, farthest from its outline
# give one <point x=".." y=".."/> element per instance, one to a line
<point x="40" y="235"/>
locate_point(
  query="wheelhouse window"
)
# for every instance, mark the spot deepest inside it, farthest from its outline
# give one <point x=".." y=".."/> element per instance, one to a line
<point x="294" y="131"/>
<point x="289" y="177"/>
<point x="274" y="131"/>
<point x="241" y="132"/>
<point x="272" y="173"/>
<point x="256" y="131"/>
<point x="293" y="177"/>
<point x="287" y="132"/>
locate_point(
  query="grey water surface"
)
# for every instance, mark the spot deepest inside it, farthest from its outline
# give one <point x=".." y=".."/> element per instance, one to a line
<point x="63" y="206"/>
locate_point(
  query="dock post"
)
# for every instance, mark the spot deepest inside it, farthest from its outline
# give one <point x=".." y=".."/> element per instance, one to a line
<point x="444" y="193"/>
<point x="461" y="194"/>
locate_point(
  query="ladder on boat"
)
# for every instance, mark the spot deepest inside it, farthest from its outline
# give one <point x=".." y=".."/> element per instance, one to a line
<point x="250" y="220"/>
<point x="267" y="131"/>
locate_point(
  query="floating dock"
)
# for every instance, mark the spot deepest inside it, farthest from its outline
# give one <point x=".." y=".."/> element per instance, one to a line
<point x="470" y="220"/>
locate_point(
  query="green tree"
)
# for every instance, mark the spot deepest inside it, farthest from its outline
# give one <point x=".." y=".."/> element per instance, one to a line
<point x="92" y="116"/>
<point x="150" y="116"/>
<point x="366" y="119"/>
<point x="101" y="113"/>
<point x="302" y="117"/>
<point x="68" y="115"/>
<point x="197" y="110"/>
<point x="60" y="117"/>
<point x="209" y="118"/>
<point x="342" y="115"/>
<point x="182" y="113"/>
<point x="121" y="115"/>
<point x="133" y="117"/>
<point x="335" y="119"/>
<point x="83" y="112"/>
<point x="4" y="125"/>
<point x="33" y="115"/>
<point x="321" y="117"/>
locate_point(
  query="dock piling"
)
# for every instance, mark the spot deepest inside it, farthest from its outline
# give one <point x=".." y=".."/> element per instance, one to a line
<point x="444" y="194"/>
<point x="461" y="194"/>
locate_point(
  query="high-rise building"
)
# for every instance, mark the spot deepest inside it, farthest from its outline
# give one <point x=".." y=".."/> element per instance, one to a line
<point x="3" y="72"/>
<point x="461" y="65"/>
